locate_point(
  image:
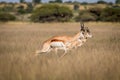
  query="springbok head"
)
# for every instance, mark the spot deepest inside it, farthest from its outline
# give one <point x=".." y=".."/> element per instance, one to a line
<point x="85" y="31"/>
<point x="88" y="33"/>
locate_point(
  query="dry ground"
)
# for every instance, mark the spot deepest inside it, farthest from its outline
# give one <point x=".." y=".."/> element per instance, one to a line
<point x="97" y="59"/>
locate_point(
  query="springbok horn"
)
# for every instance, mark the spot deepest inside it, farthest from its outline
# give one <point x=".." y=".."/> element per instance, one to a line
<point x="82" y="26"/>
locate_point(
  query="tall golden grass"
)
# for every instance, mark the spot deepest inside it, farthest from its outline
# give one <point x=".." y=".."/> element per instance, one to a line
<point x="97" y="59"/>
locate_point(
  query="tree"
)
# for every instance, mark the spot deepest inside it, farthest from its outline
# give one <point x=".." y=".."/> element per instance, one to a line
<point x="76" y="6"/>
<point x="51" y="13"/>
<point x="55" y="1"/>
<point x="58" y="1"/>
<point x="68" y="2"/>
<point x="117" y="1"/>
<point x="36" y="1"/>
<point x="102" y="2"/>
<point x="110" y="14"/>
<point x="29" y="8"/>
<point x="85" y="16"/>
<point x="21" y="10"/>
<point x="84" y="3"/>
<point x="21" y="1"/>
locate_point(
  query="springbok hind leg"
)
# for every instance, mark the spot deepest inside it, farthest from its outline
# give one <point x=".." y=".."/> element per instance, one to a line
<point x="56" y="52"/>
<point x="64" y="54"/>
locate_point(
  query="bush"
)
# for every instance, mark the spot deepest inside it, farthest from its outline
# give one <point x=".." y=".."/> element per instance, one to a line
<point x="84" y="3"/>
<point x="50" y="13"/>
<point x="29" y="8"/>
<point x="6" y="17"/>
<point x="101" y="2"/>
<point x="76" y="6"/>
<point x="24" y="10"/>
<point x="96" y="11"/>
<point x="111" y="14"/>
<point x="21" y="10"/>
<point x="7" y="9"/>
<point x="86" y="16"/>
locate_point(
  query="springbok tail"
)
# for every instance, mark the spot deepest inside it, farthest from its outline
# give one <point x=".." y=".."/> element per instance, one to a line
<point x="46" y="48"/>
<point x="38" y="51"/>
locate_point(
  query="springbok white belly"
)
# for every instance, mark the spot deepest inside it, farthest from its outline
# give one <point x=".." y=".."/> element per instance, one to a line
<point x="59" y="45"/>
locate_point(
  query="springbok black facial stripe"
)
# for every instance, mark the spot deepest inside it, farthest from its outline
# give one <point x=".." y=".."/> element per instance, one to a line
<point x="82" y="30"/>
<point x="87" y="29"/>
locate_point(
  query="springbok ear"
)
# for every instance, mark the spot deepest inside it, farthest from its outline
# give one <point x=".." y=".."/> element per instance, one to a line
<point x="87" y="29"/>
<point x="82" y="26"/>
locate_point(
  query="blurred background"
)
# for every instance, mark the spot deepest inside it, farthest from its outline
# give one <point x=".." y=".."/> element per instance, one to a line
<point x="60" y="10"/>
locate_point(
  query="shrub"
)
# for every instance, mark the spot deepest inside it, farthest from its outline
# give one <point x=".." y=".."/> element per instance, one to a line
<point x="115" y="6"/>
<point x="86" y="16"/>
<point x="96" y="11"/>
<point x="101" y="2"/>
<point x="84" y="3"/>
<point x="29" y="8"/>
<point x="76" y="6"/>
<point x="49" y="13"/>
<point x="7" y="9"/>
<point x="6" y="17"/>
<point x="111" y="14"/>
<point x="117" y="1"/>
<point x="58" y="1"/>
<point x="21" y="10"/>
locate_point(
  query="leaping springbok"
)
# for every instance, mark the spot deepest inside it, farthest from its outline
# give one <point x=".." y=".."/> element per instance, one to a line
<point x="65" y="42"/>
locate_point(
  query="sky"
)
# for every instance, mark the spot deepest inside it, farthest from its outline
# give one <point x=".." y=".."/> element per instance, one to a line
<point x="62" y="0"/>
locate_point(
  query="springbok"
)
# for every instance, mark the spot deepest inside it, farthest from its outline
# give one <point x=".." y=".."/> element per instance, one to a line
<point x="65" y="42"/>
<point x="81" y="41"/>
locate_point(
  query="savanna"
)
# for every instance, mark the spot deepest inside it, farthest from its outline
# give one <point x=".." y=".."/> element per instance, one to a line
<point x="97" y="59"/>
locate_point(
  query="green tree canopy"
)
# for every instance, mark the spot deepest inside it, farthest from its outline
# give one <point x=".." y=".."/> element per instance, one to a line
<point x="50" y="13"/>
<point x="58" y="1"/>
<point x="117" y="1"/>
<point x="21" y="1"/>
<point x="102" y="2"/>
<point x="55" y="1"/>
<point x="36" y="1"/>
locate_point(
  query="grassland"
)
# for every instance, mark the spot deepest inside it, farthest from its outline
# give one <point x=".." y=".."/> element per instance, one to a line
<point x="97" y="59"/>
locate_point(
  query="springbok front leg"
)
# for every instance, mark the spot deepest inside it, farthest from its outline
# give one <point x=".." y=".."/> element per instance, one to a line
<point x="65" y="52"/>
<point x="63" y="55"/>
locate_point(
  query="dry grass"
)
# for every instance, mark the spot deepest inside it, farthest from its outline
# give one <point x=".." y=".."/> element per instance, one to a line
<point x="97" y="59"/>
